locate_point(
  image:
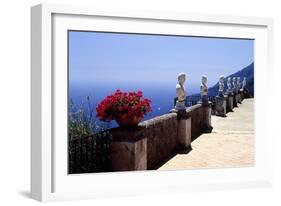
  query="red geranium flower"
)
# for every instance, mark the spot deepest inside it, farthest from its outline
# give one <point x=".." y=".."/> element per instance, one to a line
<point x="123" y="103"/>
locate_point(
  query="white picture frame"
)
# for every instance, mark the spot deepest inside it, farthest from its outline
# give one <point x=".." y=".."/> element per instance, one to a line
<point x="49" y="181"/>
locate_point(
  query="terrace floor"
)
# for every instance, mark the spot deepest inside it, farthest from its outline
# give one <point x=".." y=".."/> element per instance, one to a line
<point x="231" y="143"/>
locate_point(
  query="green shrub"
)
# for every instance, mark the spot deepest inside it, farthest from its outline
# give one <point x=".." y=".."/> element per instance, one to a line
<point x="82" y="121"/>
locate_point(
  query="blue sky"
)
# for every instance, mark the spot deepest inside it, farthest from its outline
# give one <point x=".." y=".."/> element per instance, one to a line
<point x="106" y="58"/>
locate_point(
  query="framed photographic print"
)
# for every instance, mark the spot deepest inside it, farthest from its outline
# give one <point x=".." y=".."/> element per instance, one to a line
<point x="137" y="102"/>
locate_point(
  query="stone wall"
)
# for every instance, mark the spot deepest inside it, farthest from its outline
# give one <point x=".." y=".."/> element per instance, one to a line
<point x="152" y="141"/>
<point x="161" y="134"/>
<point x="230" y="101"/>
<point x="196" y="114"/>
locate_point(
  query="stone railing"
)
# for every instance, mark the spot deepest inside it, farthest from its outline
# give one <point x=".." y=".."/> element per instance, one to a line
<point x="153" y="141"/>
<point x="225" y="104"/>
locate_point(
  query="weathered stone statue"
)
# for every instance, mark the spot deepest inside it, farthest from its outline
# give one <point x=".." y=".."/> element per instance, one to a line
<point x="234" y="86"/>
<point x="244" y="91"/>
<point x="220" y="102"/>
<point x="206" y="105"/>
<point x="229" y="104"/>
<point x="239" y="85"/>
<point x="180" y="89"/>
<point x="204" y="90"/>
<point x="244" y="83"/>
<point x="229" y="88"/>
<point x="235" y="91"/>
<point x="221" y="86"/>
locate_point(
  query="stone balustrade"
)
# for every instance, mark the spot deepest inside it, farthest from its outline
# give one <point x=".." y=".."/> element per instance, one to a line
<point x="153" y="141"/>
<point x="230" y="101"/>
<point x="150" y="143"/>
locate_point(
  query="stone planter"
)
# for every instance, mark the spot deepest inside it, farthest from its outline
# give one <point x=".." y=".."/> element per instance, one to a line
<point x="125" y="121"/>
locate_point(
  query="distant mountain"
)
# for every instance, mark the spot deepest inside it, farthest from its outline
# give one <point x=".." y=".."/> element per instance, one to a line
<point x="247" y="72"/>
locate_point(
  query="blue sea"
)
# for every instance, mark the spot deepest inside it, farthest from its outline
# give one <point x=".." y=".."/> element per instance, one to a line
<point x="161" y="96"/>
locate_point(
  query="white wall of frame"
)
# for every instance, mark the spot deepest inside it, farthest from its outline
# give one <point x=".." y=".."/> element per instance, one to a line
<point x="15" y="100"/>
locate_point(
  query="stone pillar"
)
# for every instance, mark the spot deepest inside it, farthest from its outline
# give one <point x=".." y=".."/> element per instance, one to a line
<point x="238" y="98"/>
<point x="129" y="153"/>
<point x="229" y="107"/>
<point x="184" y="132"/>
<point x="206" y="117"/>
<point x="242" y="94"/>
<point x="184" y="129"/>
<point x="225" y="101"/>
<point x="245" y="93"/>
<point x="220" y="106"/>
<point x="235" y="100"/>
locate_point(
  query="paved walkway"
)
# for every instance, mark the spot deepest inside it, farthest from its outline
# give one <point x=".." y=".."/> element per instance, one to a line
<point x="231" y="143"/>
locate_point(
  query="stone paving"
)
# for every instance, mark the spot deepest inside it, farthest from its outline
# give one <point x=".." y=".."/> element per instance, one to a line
<point x="231" y="143"/>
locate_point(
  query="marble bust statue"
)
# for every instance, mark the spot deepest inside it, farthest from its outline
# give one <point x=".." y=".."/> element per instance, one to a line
<point x="234" y="86"/>
<point x="221" y="85"/>
<point x="238" y="83"/>
<point x="229" y="84"/>
<point x="244" y="83"/>
<point x="180" y="89"/>
<point x="219" y="104"/>
<point x="204" y="89"/>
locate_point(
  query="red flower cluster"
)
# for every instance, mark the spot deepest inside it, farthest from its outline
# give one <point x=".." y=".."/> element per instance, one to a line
<point x="120" y="103"/>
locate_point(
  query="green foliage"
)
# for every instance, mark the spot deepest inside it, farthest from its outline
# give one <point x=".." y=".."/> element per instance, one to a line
<point x="82" y="121"/>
